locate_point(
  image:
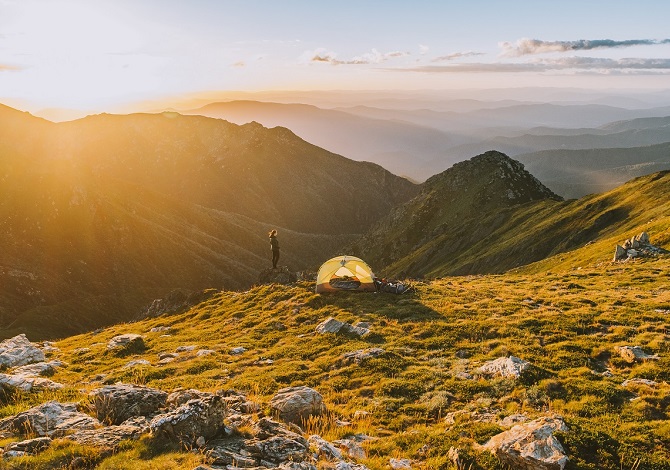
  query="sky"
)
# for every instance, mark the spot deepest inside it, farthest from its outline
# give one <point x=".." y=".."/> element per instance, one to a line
<point x="98" y="54"/>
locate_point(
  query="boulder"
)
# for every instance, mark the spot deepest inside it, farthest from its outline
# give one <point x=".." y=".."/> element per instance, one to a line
<point x="400" y="464"/>
<point x="30" y="446"/>
<point x="52" y="419"/>
<point x="275" y="443"/>
<point x="126" y="344"/>
<point x="114" y="404"/>
<point x="531" y="446"/>
<point x="620" y="253"/>
<point x="295" y="404"/>
<point x="198" y="417"/>
<point x="181" y="397"/>
<point x="331" y="325"/>
<point x="19" y="351"/>
<point x="324" y="448"/>
<point x="109" y="437"/>
<point x="26" y="383"/>
<point x="632" y="354"/>
<point x="643" y="238"/>
<point x="509" y="367"/>
<point x="38" y="369"/>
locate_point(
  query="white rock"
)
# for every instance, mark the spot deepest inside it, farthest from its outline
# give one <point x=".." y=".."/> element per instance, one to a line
<point x="325" y="448"/>
<point x="398" y="464"/>
<point x="27" y="383"/>
<point x="511" y="367"/>
<point x="137" y="362"/>
<point x="186" y="348"/>
<point x="18" y="351"/>
<point x="238" y="350"/>
<point x="205" y="352"/>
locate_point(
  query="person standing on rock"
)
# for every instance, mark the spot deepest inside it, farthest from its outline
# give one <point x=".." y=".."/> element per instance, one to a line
<point x="274" y="246"/>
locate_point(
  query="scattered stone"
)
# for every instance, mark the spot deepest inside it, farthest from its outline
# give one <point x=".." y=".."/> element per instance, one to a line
<point x="358" y="356"/>
<point x="137" y="362"/>
<point x="81" y="351"/>
<point x="181" y="397"/>
<point x="464" y="376"/>
<point x="638" y="381"/>
<point x="361" y="414"/>
<point x="204" y="352"/>
<point x="510" y="367"/>
<point x="238" y="350"/>
<point x="512" y="420"/>
<point x="109" y="437"/>
<point x="295" y="404"/>
<point x="324" y="448"/>
<point x="30" y="446"/>
<point x="637" y="246"/>
<point x="166" y="355"/>
<point x="399" y="464"/>
<point x="26" y="383"/>
<point x="476" y="416"/>
<point x="195" y="418"/>
<point x="633" y="354"/>
<point x="49" y="347"/>
<point x="159" y="329"/>
<point x="331" y="325"/>
<point x="38" y="369"/>
<point x="352" y="447"/>
<point x="350" y="466"/>
<point x="52" y="419"/>
<point x="19" y="351"/>
<point x="114" y="404"/>
<point x="126" y="343"/>
<point x="186" y="348"/>
<point x="531" y="446"/>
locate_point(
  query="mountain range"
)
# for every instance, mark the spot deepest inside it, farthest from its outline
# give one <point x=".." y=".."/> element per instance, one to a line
<point x="104" y="214"/>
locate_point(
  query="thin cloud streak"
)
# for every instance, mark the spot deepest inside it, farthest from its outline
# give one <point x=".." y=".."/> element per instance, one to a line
<point x="528" y="46"/>
<point x="9" y="68"/>
<point x="457" y="55"/>
<point x="373" y="57"/>
<point x="583" y="64"/>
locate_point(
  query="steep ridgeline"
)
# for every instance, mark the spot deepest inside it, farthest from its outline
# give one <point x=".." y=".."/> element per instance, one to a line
<point x="425" y="235"/>
<point x="100" y="216"/>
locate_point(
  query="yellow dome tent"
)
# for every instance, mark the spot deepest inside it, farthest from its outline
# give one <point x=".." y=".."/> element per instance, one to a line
<point x="345" y="273"/>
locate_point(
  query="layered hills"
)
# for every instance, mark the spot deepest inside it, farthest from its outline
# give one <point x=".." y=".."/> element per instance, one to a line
<point x="100" y="216"/>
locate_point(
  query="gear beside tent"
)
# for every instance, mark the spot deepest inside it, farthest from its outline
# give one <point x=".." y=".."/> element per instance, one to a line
<point x="345" y="273"/>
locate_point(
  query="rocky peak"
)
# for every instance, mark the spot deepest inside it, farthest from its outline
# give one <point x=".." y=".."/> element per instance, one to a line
<point x="494" y="178"/>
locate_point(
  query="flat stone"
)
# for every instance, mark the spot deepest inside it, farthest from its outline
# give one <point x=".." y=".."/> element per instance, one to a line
<point x="52" y="419"/>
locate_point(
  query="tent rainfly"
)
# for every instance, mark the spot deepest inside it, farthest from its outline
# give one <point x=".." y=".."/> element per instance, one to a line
<point x="345" y="273"/>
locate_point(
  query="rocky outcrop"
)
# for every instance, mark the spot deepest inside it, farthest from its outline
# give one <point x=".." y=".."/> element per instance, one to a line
<point x="281" y="275"/>
<point x="109" y="437"/>
<point x="52" y="419"/>
<point x="331" y="325"/>
<point x="177" y="301"/>
<point x="295" y="404"/>
<point x="114" y="404"/>
<point x="128" y="343"/>
<point x="19" y="351"/>
<point x="27" y="447"/>
<point x="531" y="446"/>
<point x="509" y="367"/>
<point x="632" y="354"/>
<point x="199" y="417"/>
<point x="638" y="246"/>
<point x="26" y="383"/>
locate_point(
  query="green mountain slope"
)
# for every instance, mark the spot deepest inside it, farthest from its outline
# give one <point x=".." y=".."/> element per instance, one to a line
<point x="443" y="232"/>
<point x="422" y="394"/>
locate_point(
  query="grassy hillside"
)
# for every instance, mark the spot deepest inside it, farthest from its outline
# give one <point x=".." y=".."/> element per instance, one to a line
<point x="490" y="239"/>
<point x="566" y="323"/>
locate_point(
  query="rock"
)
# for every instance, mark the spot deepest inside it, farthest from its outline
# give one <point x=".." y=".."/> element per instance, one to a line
<point x="331" y="325"/>
<point x="358" y="356"/>
<point x="181" y="397"/>
<point x="198" y="417"/>
<point x="114" y="404"/>
<point x="512" y="420"/>
<point x="186" y="348"/>
<point x="531" y="446"/>
<point x="177" y="301"/>
<point x="510" y="367"/>
<point x="352" y="448"/>
<point x="643" y="238"/>
<point x="632" y="253"/>
<point x="137" y="362"/>
<point x="18" y="351"/>
<point x="237" y="351"/>
<point x="398" y="464"/>
<point x="638" y="381"/>
<point x="277" y="444"/>
<point x="632" y="354"/>
<point x="324" y="448"/>
<point x="475" y="416"/>
<point x="165" y="355"/>
<point x="350" y="466"/>
<point x="281" y="275"/>
<point x="26" y="383"/>
<point x="619" y="253"/>
<point x="462" y="375"/>
<point x="204" y="352"/>
<point x="454" y="455"/>
<point x="126" y="343"/>
<point x="38" y="369"/>
<point x="49" y="347"/>
<point x="159" y="329"/>
<point x="52" y="419"/>
<point x="109" y="437"/>
<point x="81" y="351"/>
<point x="30" y="446"/>
<point x="295" y="404"/>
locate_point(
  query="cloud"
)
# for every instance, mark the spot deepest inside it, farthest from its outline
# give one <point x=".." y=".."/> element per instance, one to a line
<point x="527" y="46"/>
<point x="591" y="65"/>
<point x="372" y="57"/>
<point x="457" y="55"/>
<point x="423" y="49"/>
